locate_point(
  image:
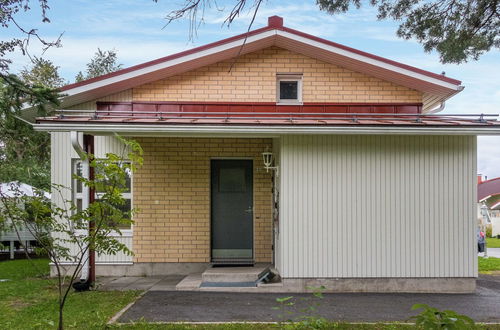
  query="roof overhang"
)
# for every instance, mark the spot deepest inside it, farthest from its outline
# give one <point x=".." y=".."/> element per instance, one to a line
<point x="257" y="130"/>
<point x="437" y="88"/>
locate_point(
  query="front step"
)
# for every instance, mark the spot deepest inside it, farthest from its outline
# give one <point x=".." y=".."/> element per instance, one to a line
<point x="234" y="276"/>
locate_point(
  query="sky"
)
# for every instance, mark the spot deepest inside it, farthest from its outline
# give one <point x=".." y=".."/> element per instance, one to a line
<point x="136" y="30"/>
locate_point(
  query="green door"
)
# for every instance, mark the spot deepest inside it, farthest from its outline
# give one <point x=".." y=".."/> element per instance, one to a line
<point x="232" y="211"/>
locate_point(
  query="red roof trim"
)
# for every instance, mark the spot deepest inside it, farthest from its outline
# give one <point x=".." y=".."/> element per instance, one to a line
<point x="489" y="180"/>
<point x="375" y="57"/>
<point x="488" y="188"/>
<point x="167" y="58"/>
<point x="335" y="120"/>
<point x="260" y="103"/>
<point x="273" y="24"/>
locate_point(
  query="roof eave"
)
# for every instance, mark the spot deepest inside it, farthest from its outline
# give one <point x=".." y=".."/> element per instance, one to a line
<point x="443" y="87"/>
<point x="259" y="130"/>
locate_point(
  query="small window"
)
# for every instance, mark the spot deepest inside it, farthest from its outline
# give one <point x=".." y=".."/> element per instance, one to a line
<point x="78" y="191"/>
<point x="289" y="88"/>
<point x="232" y="180"/>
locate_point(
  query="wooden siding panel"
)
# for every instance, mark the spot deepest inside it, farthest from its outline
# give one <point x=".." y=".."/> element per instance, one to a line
<point x="377" y="206"/>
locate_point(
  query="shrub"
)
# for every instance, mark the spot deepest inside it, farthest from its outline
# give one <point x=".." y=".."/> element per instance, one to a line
<point x="432" y="318"/>
<point x="489" y="231"/>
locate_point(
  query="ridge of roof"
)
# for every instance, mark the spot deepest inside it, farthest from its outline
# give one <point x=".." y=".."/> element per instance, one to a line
<point x="488" y="181"/>
<point x="274" y="23"/>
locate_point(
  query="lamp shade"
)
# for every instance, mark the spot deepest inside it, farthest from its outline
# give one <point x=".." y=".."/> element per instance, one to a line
<point x="267" y="156"/>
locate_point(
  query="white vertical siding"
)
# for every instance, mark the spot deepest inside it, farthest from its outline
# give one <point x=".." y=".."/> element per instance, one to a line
<point x="276" y="217"/>
<point x="377" y="206"/>
<point x="119" y="258"/>
<point x="62" y="154"/>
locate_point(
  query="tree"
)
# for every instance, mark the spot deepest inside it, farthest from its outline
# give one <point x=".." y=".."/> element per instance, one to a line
<point x="103" y="62"/>
<point x="459" y="30"/>
<point x="63" y="233"/>
<point x="24" y="153"/>
<point x="42" y="73"/>
<point x="8" y="10"/>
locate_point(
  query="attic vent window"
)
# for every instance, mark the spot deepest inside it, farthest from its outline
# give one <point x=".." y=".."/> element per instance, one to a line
<point x="289" y="88"/>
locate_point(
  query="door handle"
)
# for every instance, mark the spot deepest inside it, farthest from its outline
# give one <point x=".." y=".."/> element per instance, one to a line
<point x="249" y="210"/>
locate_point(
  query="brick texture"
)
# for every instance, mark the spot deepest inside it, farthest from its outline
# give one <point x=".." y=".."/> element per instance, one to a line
<point x="172" y="192"/>
<point x="253" y="79"/>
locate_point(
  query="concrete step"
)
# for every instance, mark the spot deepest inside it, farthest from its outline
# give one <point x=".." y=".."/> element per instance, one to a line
<point x="233" y="276"/>
<point x="189" y="283"/>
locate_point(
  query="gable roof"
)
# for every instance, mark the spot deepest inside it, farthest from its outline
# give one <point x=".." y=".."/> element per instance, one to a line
<point x="488" y="188"/>
<point x="436" y="88"/>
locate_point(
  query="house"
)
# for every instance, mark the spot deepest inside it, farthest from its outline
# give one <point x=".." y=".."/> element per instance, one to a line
<point x="282" y="148"/>
<point x="488" y="194"/>
<point x="20" y="237"/>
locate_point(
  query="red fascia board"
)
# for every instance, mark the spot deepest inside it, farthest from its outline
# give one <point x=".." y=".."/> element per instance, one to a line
<point x="167" y="58"/>
<point x="251" y="33"/>
<point x="375" y="57"/>
<point x="489" y="180"/>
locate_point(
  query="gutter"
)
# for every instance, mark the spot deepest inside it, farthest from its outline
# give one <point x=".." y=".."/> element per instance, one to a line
<point x="264" y="131"/>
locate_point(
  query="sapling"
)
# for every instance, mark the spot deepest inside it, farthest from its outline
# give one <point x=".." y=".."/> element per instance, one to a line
<point x="61" y="230"/>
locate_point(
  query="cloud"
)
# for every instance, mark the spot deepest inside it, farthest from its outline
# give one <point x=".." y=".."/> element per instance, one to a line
<point x="488" y="151"/>
<point x="134" y="29"/>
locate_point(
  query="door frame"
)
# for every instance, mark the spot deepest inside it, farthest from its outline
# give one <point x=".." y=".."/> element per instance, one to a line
<point x="253" y="199"/>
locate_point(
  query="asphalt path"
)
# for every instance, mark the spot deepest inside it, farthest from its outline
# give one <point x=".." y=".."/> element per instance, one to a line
<point x="178" y="306"/>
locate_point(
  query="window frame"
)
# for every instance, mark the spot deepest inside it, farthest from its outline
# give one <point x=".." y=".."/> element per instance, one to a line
<point x="75" y="195"/>
<point x="295" y="77"/>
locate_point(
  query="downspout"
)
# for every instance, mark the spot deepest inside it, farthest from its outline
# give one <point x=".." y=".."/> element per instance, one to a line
<point x="84" y="277"/>
<point x="439" y="108"/>
<point x="443" y="103"/>
<point x="88" y="141"/>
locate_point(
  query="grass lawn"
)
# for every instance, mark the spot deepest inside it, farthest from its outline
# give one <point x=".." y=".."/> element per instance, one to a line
<point x="249" y="326"/>
<point x="493" y="242"/>
<point x="488" y="265"/>
<point x="29" y="301"/>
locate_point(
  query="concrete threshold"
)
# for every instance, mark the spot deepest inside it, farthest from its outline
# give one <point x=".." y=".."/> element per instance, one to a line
<point x="194" y="283"/>
<point x="232" y="276"/>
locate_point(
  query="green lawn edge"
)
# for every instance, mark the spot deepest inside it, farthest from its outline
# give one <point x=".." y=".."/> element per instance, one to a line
<point x="29" y="301"/>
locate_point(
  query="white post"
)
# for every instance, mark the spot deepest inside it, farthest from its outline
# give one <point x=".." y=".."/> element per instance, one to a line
<point x="11" y="250"/>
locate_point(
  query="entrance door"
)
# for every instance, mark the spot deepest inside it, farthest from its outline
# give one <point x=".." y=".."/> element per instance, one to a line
<point x="232" y="211"/>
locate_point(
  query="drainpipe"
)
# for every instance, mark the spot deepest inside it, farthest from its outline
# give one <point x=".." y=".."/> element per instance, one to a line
<point x="439" y="108"/>
<point x="88" y="141"/>
<point x="88" y="267"/>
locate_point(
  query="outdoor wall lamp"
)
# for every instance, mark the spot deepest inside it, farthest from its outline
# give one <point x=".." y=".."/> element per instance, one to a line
<point x="268" y="158"/>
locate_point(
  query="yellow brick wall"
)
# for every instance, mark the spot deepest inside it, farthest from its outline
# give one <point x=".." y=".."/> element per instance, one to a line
<point x="172" y="192"/>
<point x="253" y="79"/>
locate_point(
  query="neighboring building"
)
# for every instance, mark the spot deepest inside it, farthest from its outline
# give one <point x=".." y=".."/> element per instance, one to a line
<point x="368" y="189"/>
<point x="16" y="239"/>
<point x="488" y="193"/>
